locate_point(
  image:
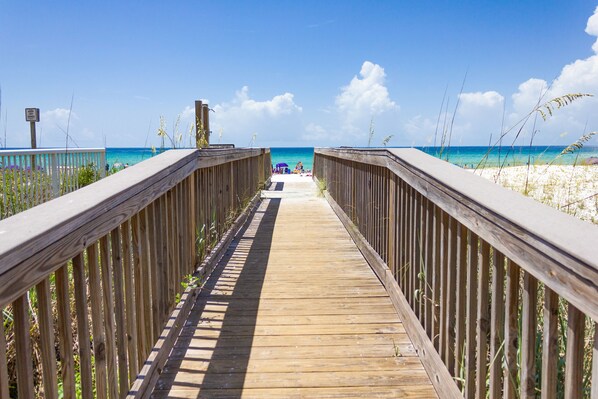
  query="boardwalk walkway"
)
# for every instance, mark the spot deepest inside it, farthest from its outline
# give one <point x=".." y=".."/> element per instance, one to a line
<point x="293" y="310"/>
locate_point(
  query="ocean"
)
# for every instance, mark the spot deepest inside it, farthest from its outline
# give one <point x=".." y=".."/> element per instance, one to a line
<point x="461" y="156"/>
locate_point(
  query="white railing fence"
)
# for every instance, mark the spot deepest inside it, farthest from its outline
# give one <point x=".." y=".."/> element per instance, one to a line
<point x="31" y="177"/>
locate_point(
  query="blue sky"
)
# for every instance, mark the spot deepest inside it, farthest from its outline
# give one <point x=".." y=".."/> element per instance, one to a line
<point x="309" y="73"/>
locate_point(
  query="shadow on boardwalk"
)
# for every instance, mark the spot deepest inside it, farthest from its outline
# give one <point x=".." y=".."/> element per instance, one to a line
<point x="214" y="346"/>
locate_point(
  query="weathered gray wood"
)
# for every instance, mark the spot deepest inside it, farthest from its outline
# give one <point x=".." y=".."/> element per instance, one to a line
<point x="497" y="323"/>
<point x="4" y="384"/>
<point x="97" y="320"/>
<point x="511" y="329"/>
<point x="439" y="375"/>
<point x="555" y="248"/>
<point x="65" y="226"/>
<point x="574" y="355"/>
<point x="80" y="285"/>
<point x="471" y="314"/>
<point x="119" y="311"/>
<point x="130" y="301"/>
<point x="550" y="344"/>
<point x="594" y="393"/>
<point x="46" y="328"/>
<point x="23" y="348"/>
<point x="109" y="319"/>
<point x="141" y="387"/>
<point x="529" y="325"/>
<point x="483" y="325"/>
<point x="65" y="333"/>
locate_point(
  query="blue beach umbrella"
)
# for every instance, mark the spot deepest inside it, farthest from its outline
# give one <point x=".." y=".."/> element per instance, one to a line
<point x="282" y="165"/>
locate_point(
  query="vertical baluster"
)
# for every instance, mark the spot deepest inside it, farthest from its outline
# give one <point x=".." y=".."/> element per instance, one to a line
<point x="140" y="304"/>
<point x="497" y="324"/>
<point x="130" y="302"/>
<point x="23" y="348"/>
<point x="451" y="294"/>
<point x="511" y="329"/>
<point x="594" y="393"/>
<point x="119" y="307"/>
<point x="46" y="329"/>
<point x="3" y="365"/>
<point x="529" y="322"/>
<point x="109" y="318"/>
<point x="483" y="326"/>
<point x="443" y="282"/>
<point x="472" y="280"/>
<point x="436" y="275"/>
<point x="429" y="267"/>
<point x="461" y="284"/>
<point x="574" y="355"/>
<point x="97" y="318"/>
<point x="550" y="344"/>
<point x="65" y="333"/>
<point x="82" y="326"/>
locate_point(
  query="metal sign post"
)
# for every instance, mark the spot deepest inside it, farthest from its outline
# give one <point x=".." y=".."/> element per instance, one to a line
<point x="32" y="116"/>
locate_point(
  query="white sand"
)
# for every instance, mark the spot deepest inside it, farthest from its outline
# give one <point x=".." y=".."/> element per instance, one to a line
<point x="571" y="189"/>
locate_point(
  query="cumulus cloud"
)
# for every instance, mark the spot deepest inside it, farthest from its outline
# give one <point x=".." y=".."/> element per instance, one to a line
<point x="480" y="113"/>
<point x="282" y="104"/>
<point x="315" y="132"/>
<point x="364" y="97"/>
<point x="58" y="116"/>
<point x="275" y="120"/>
<point x="592" y="28"/>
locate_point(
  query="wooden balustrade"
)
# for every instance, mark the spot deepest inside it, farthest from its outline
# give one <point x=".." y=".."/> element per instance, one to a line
<point x="101" y="269"/>
<point x="32" y="177"/>
<point x="498" y="292"/>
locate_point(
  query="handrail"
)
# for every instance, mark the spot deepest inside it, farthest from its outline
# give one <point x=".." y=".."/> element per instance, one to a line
<point x="421" y="217"/>
<point x="134" y="236"/>
<point x="31" y="151"/>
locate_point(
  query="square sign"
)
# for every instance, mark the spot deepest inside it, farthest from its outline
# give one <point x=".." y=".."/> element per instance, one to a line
<point x="32" y="114"/>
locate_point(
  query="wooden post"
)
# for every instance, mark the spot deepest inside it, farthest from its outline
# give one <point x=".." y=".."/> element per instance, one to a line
<point x="206" y="123"/>
<point x="198" y="122"/>
<point x="33" y="137"/>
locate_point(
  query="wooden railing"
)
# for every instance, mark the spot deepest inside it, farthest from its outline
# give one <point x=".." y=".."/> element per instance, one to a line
<point x="32" y="177"/>
<point x="498" y="292"/>
<point x="101" y="269"/>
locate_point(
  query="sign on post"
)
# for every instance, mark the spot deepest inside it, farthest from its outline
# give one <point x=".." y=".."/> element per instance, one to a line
<point x="32" y="114"/>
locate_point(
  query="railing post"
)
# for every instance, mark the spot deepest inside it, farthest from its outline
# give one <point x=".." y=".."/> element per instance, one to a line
<point x="103" y="163"/>
<point x="55" y="175"/>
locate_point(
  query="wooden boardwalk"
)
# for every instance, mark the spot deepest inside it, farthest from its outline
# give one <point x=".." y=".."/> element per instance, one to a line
<point x="293" y="310"/>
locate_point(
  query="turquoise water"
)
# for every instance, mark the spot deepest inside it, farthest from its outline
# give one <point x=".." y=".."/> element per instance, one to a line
<point x="462" y="156"/>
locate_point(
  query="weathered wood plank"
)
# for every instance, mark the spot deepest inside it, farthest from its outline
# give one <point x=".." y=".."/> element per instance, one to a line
<point x="23" y="348"/>
<point x="529" y="325"/>
<point x="65" y="333"/>
<point x="555" y="248"/>
<point x="550" y="344"/>
<point x="511" y="329"/>
<point x="46" y="328"/>
<point x="80" y="285"/>
<point x="261" y="325"/>
<point x="97" y="320"/>
<point x="4" y="384"/>
<point x="574" y="355"/>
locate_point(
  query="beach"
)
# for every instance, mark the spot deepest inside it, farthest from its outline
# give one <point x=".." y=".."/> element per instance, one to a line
<point x="571" y="189"/>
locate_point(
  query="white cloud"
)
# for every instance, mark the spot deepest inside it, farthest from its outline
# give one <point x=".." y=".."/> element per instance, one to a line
<point x="315" y="132"/>
<point x="488" y="99"/>
<point x="592" y="28"/>
<point x="58" y="116"/>
<point x="275" y="120"/>
<point x="364" y="97"/>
